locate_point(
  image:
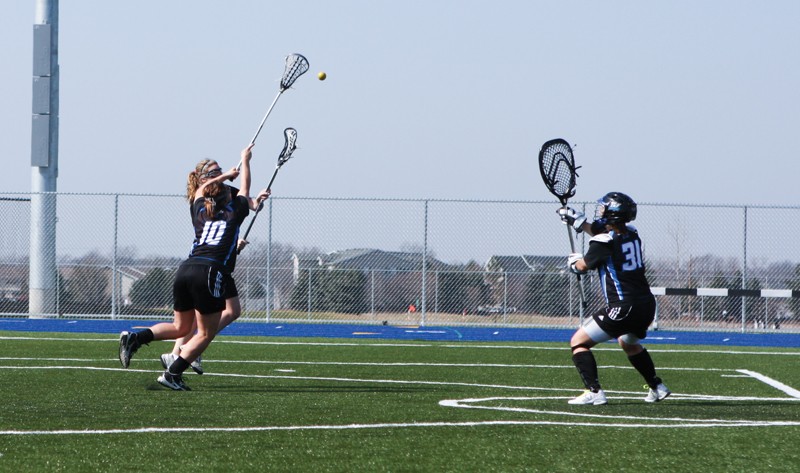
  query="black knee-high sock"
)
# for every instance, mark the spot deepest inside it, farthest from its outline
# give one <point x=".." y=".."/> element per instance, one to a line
<point x="178" y="366"/>
<point x="645" y="366"/>
<point x="143" y="337"/>
<point x="587" y="368"/>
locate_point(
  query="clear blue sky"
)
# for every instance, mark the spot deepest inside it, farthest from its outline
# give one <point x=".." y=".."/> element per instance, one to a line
<point x="672" y="101"/>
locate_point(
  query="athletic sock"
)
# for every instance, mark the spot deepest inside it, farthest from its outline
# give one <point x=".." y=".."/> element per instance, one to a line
<point x="178" y="366"/>
<point x="645" y="366"/>
<point x="587" y="368"/>
<point x="143" y="337"/>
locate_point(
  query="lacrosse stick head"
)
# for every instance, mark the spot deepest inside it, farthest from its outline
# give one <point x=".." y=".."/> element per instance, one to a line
<point x="288" y="148"/>
<point x="296" y="66"/>
<point x="557" y="166"/>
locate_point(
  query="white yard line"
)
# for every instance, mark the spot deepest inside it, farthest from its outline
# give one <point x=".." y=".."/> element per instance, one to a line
<point x="462" y="345"/>
<point x="775" y="384"/>
<point x="613" y="421"/>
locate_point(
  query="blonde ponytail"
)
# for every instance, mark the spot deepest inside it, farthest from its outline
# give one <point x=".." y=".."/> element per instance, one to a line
<point x="193" y="181"/>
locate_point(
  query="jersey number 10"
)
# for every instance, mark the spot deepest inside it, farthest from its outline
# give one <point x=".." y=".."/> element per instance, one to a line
<point x="212" y="232"/>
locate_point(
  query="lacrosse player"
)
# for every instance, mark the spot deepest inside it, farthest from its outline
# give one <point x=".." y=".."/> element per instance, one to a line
<point x="200" y="289"/>
<point x="205" y="170"/>
<point x="615" y="251"/>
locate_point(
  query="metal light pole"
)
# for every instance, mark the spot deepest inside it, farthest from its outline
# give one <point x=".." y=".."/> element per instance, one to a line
<point x="44" y="160"/>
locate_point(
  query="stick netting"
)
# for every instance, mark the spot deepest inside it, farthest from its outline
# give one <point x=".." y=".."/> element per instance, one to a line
<point x="296" y="66"/>
<point x="557" y="166"/>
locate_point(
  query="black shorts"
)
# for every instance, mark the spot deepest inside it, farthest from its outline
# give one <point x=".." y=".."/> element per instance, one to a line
<point x="632" y="318"/>
<point x="202" y="287"/>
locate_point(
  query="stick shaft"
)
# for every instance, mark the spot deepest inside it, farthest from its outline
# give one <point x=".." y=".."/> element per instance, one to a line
<point x="260" y="204"/>
<point x="261" y="125"/>
<point x="247" y="232"/>
<point x="580" y="280"/>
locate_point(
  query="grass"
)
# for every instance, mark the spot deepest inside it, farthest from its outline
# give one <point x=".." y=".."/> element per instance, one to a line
<point x="270" y="404"/>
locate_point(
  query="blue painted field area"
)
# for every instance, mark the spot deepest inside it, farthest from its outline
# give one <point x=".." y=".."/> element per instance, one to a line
<point x="391" y="332"/>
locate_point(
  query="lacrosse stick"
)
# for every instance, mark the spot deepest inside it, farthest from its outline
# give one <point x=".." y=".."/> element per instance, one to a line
<point x="557" y="166"/>
<point x="286" y="154"/>
<point x="296" y="66"/>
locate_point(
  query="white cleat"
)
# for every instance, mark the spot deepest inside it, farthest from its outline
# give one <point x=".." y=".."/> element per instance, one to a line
<point x="197" y="365"/>
<point x="167" y="359"/>
<point x="588" y="397"/>
<point x="660" y="393"/>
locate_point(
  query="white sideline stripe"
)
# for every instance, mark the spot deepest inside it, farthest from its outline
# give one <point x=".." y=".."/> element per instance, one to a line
<point x="470" y="404"/>
<point x="304" y="378"/>
<point x="651" y="349"/>
<point x="775" y="384"/>
<point x="364" y="363"/>
<point x="146" y="430"/>
<point x="638" y="394"/>
<point x="681" y="422"/>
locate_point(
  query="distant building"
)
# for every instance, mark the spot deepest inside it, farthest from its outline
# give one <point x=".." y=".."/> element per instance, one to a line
<point x="366" y="259"/>
<point x="509" y="277"/>
<point x="525" y="263"/>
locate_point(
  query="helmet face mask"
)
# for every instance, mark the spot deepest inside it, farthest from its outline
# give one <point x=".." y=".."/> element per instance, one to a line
<point x="615" y="208"/>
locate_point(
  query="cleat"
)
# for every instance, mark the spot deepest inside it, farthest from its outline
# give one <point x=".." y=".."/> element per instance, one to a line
<point x="127" y="347"/>
<point x="197" y="365"/>
<point x="660" y="393"/>
<point x="167" y="359"/>
<point x="173" y="381"/>
<point x="588" y="397"/>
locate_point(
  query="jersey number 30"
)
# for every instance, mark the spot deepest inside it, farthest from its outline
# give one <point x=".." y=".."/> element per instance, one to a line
<point x="633" y="255"/>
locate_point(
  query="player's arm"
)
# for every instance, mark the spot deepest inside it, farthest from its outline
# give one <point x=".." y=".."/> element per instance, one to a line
<point x="262" y="196"/>
<point x="247" y="153"/>
<point x="599" y="251"/>
<point x="230" y="175"/>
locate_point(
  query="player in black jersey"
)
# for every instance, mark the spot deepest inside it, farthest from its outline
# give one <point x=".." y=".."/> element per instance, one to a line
<point x="199" y="290"/>
<point x="615" y="251"/>
<point x="203" y="171"/>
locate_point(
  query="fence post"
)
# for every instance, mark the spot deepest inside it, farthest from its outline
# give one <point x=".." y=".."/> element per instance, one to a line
<point x="372" y="292"/>
<point x="505" y="297"/>
<point x="424" y="266"/>
<point x="308" y="315"/>
<point x="269" y="265"/>
<point x="436" y="291"/>
<point x="744" y="270"/>
<point x="114" y="301"/>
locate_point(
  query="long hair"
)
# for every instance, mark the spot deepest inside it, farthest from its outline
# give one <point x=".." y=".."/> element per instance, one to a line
<point x="216" y="197"/>
<point x="193" y="182"/>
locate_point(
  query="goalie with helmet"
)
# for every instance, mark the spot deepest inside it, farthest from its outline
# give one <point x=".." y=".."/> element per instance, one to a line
<point x="615" y="251"/>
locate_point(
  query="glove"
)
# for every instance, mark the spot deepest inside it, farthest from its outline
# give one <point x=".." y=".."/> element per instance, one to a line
<point x="572" y="217"/>
<point x="572" y="259"/>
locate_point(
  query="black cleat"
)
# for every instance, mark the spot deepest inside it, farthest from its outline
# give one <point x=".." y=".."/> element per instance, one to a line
<point x="127" y="347"/>
<point x="173" y="381"/>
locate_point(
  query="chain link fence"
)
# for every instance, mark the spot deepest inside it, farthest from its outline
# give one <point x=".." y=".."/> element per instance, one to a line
<point x="381" y="261"/>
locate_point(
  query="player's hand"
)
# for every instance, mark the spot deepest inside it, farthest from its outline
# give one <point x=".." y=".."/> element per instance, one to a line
<point x="247" y="153"/>
<point x="572" y="259"/>
<point x="232" y="174"/>
<point x="263" y="195"/>
<point x="572" y="217"/>
<point x="241" y="244"/>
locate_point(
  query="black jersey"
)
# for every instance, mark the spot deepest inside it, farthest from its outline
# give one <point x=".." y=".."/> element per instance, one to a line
<point x="234" y="192"/>
<point x="618" y="259"/>
<point x="198" y="229"/>
<point x="216" y="237"/>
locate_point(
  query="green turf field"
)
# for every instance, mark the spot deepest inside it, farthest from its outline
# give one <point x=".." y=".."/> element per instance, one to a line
<point x="268" y="404"/>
